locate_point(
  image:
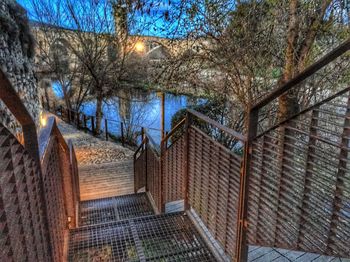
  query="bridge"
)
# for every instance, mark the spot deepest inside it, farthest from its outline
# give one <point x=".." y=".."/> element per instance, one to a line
<point x="282" y="195"/>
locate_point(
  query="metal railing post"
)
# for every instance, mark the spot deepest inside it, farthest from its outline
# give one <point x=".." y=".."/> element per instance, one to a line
<point x="85" y="120"/>
<point x="78" y="120"/>
<point x="242" y="222"/>
<point x="92" y="124"/>
<point x="68" y="116"/>
<point x="186" y="162"/>
<point x="162" y="176"/>
<point x="142" y="134"/>
<point x="122" y="133"/>
<point x="106" y="128"/>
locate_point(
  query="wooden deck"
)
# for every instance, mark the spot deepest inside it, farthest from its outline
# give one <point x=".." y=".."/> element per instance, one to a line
<point x="106" y="180"/>
<point x="262" y="254"/>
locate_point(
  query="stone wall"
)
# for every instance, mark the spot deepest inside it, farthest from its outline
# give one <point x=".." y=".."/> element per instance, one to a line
<point x="16" y="57"/>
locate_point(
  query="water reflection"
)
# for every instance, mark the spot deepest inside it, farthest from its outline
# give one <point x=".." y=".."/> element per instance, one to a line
<point x="139" y="108"/>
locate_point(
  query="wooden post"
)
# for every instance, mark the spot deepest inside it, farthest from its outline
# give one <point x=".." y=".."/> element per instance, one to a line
<point x="242" y="223"/>
<point x="93" y="125"/>
<point x="122" y="132"/>
<point x="106" y="128"/>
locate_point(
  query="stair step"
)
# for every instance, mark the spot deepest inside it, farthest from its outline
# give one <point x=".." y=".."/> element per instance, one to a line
<point x="166" y="237"/>
<point x="114" y="209"/>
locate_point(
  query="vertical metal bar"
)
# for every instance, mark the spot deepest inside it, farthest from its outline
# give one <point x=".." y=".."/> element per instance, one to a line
<point x="85" y="120"/>
<point x="242" y="223"/>
<point x="162" y="176"/>
<point x="163" y="114"/>
<point x="78" y="120"/>
<point x="308" y="172"/>
<point x="282" y="139"/>
<point x="146" y="161"/>
<point x="122" y="133"/>
<point x="106" y="128"/>
<point x="93" y="125"/>
<point x="142" y="133"/>
<point x="340" y="178"/>
<point x="68" y="116"/>
<point x="186" y="161"/>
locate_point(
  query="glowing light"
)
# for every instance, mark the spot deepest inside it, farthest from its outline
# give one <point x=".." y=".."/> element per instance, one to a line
<point x="140" y="47"/>
<point x="43" y="121"/>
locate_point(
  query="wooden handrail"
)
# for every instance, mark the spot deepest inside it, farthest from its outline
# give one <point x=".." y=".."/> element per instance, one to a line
<point x="218" y="125"/>
<point x="312" y="69"/>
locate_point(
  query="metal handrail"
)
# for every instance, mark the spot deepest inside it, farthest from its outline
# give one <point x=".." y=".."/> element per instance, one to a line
<point x="210" y="121"/>
<point x="312" y="69"/>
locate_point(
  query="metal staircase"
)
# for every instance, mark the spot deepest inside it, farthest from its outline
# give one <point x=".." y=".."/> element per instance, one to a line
<point x="126" y="228"/>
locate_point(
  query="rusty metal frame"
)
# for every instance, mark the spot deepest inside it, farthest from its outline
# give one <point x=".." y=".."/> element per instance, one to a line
<point x="253" y="119"/>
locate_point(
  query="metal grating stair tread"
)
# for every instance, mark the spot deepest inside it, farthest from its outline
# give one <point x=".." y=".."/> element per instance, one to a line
<point x="114" y="209"/>
<point x="167" y="237"/>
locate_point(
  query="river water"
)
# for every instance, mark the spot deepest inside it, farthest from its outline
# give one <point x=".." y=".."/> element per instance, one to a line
<point x="140" y="108"/>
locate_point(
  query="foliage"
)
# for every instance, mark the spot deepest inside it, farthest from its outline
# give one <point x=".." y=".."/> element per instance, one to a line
<point x="218" y="110"/>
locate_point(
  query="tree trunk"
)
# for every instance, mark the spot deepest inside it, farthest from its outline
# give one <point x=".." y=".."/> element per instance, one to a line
<point x="288" y="103"/>
<point x="99" y="101"/>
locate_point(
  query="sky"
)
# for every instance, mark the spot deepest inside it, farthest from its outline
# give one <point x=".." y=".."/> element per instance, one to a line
<point x="156" y="24"/>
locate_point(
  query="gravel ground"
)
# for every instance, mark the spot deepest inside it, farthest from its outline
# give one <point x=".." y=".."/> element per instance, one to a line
<point x="92" y="150"/>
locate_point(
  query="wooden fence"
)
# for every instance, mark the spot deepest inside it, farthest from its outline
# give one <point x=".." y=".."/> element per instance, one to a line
<point x="288" y="188"/>
<point x="38" y="188"/>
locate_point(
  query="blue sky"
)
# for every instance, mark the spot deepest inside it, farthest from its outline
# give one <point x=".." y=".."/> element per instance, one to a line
<point x="159" y="27"/>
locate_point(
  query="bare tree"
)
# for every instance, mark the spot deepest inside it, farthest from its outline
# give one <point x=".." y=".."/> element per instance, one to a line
<point x="244" y="49"/>
<point x="99" y="53"/>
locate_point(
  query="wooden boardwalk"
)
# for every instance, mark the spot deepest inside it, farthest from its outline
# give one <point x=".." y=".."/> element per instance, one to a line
<point x="106" y="180"/>
<point x="105" y="168"/>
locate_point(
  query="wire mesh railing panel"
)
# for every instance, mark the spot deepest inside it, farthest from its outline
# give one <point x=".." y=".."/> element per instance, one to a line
<point x="214" y="182"/>
<point x="22" y="231"/>
<point x="140" y="165"/>
<point x="174" y="171"/>
<point x="55" y="197"/>
<point x="299" y="190"/>
<point x="114" y="209"/>
<point x="153" y="176"/>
